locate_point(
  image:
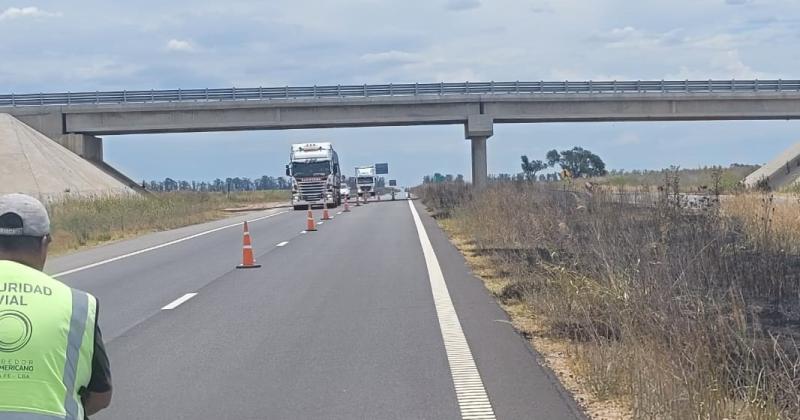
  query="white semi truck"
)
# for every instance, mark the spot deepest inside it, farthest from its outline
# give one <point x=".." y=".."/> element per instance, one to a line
<point x="365" y="181"/>
<point x="315" y="173"/>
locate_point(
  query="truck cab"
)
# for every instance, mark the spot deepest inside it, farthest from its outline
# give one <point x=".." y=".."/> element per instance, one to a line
<point x="315" y="173"/>
<point x="365" y="181"/>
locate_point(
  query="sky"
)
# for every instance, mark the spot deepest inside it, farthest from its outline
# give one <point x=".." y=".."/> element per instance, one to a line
<point x="50" y="46"/>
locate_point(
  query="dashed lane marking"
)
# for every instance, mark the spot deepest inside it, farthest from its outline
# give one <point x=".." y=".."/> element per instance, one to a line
<point x="179" y="301"/>
<point x="470" y="392"/>
<point x="164" y="245"/>
<point x="283" y="243"/>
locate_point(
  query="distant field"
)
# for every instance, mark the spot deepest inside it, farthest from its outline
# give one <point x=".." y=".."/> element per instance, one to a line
<point x="649" y="311"/>
<point x="689" y="180"/>
<point x="78" y="223"/>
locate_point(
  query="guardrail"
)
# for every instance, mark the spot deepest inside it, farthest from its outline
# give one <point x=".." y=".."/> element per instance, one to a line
<point x="405" y="89"/>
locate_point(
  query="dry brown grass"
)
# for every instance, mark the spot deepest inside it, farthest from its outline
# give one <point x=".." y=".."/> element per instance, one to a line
<point x="673" y="312"/>
<point x="768" y="217"/>
<point x="82" y="222"/>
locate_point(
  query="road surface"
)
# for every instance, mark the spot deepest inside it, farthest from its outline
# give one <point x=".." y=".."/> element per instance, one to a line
<point x="354" y="321"/>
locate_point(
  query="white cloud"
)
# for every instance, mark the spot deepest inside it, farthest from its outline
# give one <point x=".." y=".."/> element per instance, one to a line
<point x="392" y="56"/>
<point x="23" y="12"/>
<point x="631" y="37"/>
<point x="102" y="68"/>
<point x="179" y="45"/>
<point x="725" y="64"/>
<point x="462" y="4"/>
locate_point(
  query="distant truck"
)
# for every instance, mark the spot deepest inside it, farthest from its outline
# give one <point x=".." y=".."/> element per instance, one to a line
<point x="314" y="170"/>
<point x="365" y="181"/>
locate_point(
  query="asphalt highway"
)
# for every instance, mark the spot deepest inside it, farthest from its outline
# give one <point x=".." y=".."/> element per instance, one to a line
<point x="354" y="321"/>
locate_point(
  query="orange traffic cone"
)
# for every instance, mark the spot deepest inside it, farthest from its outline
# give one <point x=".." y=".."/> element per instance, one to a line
<point x="247" y="251"/>
<point x="346" y="205"/>
<point x="325" y="215"/>
<point x="311" y="226"/>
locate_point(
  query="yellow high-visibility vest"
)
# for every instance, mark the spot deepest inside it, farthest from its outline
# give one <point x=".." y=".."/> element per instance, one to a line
<point x="46" y="345"/>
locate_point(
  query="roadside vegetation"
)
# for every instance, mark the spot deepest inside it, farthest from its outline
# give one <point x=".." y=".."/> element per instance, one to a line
<point x="81" y="222"/>
<point x="578" y="163"/>
<point x="726" y="179"/>
<point x="666" y="310"/>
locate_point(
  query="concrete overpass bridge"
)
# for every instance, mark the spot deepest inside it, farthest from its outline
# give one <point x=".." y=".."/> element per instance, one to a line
<point x="76" y="119"/>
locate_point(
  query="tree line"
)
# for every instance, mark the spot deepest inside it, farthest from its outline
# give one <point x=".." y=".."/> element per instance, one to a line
<point x="265" y="182"/>
<point x="437" y="177"/>
<point x="574" y="163"/>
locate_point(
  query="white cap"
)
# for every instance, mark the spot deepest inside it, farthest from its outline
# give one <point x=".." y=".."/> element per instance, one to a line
<point x="35" y="221"/>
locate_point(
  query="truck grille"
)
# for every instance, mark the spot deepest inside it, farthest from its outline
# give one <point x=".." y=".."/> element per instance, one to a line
<point x="311" y="190"/>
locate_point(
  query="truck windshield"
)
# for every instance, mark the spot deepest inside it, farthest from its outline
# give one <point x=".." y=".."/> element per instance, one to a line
<point x="365" y="180"/>
<point x="311" y="168"/>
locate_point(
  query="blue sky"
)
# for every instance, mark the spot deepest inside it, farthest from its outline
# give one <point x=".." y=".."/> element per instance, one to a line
<point x="99" y="45"/>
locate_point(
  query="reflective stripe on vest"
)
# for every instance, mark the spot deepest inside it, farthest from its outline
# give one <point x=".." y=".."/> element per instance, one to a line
<point x="27" y="416"/>
<point x="77" y="327"/>
<point x="46" y="345"/>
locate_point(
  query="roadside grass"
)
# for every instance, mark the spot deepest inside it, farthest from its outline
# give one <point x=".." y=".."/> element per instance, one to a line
<point x="769" y="219"/>
<point x="656" y="311"/>
<point x="82" y="222"/>
<point x="690" y="180"/>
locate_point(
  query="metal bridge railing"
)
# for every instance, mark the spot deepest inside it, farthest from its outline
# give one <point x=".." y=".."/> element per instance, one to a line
<point x="405" y="89"/>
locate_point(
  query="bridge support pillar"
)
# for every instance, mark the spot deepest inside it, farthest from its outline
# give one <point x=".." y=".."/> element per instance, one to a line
<point x="478" y="129"/>
<point x="84" y="145"/>
<point x="479" y="166"/>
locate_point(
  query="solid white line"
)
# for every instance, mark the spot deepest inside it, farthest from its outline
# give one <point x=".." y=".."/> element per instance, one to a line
<point x="470" y="392"/>
<point x="283" y="243"/>
<point x="177" y="302"/>
<point x="164" y="245"/>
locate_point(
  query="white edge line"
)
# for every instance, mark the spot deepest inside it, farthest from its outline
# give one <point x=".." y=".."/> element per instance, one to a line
<point x="283" y="243"/>
<point x="177" y="302"/>
<point x="164" y="245"/>
<point x="473" y="401"/>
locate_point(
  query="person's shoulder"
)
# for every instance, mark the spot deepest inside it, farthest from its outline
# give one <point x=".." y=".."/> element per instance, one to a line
<point x="31" y="273"/>
<point x="13" y="267"/>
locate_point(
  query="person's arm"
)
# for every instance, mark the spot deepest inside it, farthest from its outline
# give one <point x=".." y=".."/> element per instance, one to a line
<point x="97" y="395"/>
<point x="96" y="401"/>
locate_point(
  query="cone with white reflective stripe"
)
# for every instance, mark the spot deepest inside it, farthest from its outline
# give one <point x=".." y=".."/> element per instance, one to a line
<point x="311" y="225"/>
<point x="247" y="251"/>
<point x="347" y="205"/>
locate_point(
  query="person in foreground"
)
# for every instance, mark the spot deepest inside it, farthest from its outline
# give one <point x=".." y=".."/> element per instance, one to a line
<point x="53" y="364"/>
